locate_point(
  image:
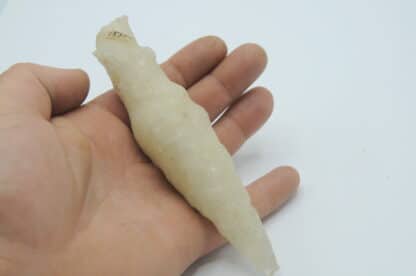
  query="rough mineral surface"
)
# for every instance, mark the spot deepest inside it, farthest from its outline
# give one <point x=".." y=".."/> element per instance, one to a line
<point x="177" y="135"/>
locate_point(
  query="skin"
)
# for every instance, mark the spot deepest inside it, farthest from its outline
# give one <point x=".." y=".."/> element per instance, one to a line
<point x="78" y="196"/>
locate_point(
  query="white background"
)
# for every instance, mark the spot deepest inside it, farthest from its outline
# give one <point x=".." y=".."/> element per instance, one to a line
<point x="343" y="74"/>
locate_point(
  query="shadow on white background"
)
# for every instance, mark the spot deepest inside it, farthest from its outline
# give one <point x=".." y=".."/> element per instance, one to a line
<point x="3" y="4"/>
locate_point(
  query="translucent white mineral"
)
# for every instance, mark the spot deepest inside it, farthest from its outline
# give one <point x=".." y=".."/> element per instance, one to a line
<point x="177" y="135"/>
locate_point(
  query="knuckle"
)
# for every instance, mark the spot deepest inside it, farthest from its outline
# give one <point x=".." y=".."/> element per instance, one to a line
<point x="20" y="66"/>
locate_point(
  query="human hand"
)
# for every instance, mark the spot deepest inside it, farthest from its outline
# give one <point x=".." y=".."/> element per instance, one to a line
<point x="77" y="195"/>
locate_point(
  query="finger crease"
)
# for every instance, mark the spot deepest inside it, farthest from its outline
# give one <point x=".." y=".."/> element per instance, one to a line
<point x="180" y="78"/>
<point x="237" y="127"/>
<point x="221" y="84"/>
<point x="43" y="87"/>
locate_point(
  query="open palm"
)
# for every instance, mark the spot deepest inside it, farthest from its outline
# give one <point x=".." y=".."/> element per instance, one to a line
<point x="77" y="195"/>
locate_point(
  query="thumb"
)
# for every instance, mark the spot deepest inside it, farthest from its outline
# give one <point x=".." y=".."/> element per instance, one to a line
<point x="33" y="88"/>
